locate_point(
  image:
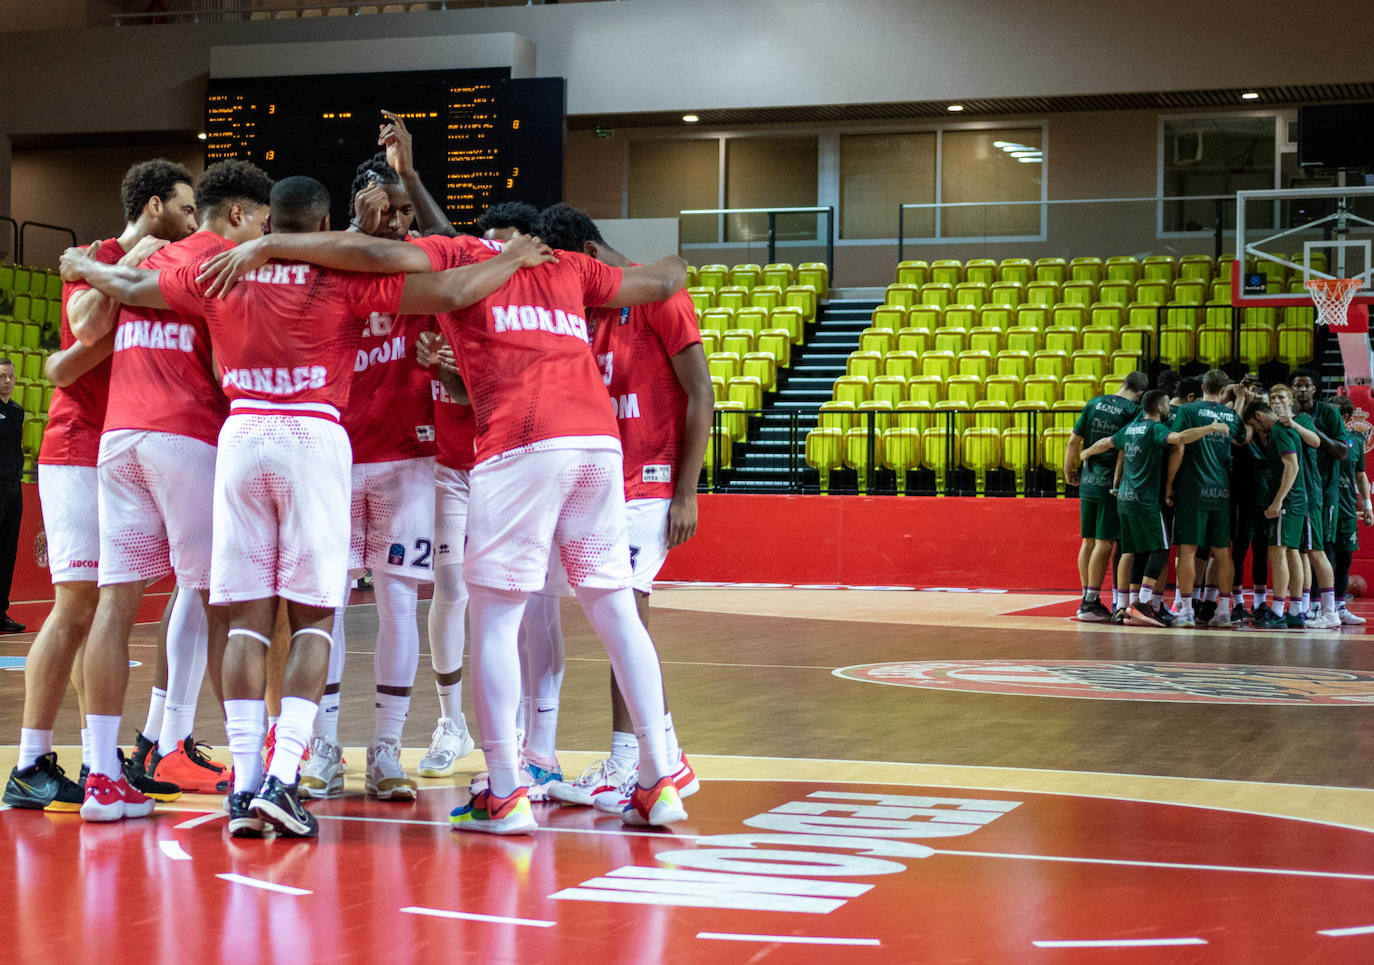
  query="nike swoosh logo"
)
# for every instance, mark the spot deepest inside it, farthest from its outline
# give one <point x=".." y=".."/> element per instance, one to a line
<point x="545" y="710"/>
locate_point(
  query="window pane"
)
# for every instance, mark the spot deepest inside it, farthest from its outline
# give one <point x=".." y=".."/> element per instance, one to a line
<point x="771" y="172"/>
<point x="671" y="176"/>
<point x="982" y="166"/>
<point x="1214" y="155"/>
<point x="879" y="172"/>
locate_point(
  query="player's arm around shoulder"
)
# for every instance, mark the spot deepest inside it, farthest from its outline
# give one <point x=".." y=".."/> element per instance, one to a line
<point x="92" y="312"/>
<point x="65" y="367"/>
<point x="456" y="288"/>
<point x="641" y="284"/>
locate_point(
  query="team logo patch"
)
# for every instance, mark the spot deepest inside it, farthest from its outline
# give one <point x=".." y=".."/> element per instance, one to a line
<point x="1208" y="683"/>
<point x="657" y="473"/>
<point x="424" y="433"/>
<point x="396" y="556"/>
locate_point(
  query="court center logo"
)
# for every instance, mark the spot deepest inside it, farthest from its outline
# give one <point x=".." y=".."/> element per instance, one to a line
<point x="1208" y="683"/>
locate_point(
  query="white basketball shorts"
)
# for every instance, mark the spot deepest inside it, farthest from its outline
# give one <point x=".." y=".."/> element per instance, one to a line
<point x="393" y="518"/>
<point x="70" y="499"/>
<point x="156" y="500"/>
<point x="281" y="510"/>
<point x="647" y="521"/>
<point x="450" y="515"/>
<point x="527" y="503"/>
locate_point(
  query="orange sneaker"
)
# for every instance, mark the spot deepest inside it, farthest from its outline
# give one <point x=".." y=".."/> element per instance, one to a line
<point x="192" y="771"/>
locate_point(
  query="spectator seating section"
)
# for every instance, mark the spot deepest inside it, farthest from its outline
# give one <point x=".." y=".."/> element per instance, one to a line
<point x="30" y="318"/>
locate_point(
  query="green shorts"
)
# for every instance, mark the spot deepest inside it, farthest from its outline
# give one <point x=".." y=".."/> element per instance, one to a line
<point x="1143" y="534"/>
<point x="1202" y="527"/>
<point x="1097" y="518"/>
<point x="1347" y="533"/>
<point x="1293" y="530"/>
<point x="1316" y="519"/>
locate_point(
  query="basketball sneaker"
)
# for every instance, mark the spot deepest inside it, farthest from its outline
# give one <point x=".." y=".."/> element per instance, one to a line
<point x="1142" y="615"/>
<point x="278" y="805"/>
<point x="322" y="775"/>
<point x="449" y="744"/>
<point x="243" y="823"/>
<point x="1294" y="621"/>
<point x="1239" y="614"/>
<point x="140" y="780"/>
<point x="614" y="802"/>
<point x="1324" y="619"/>
<point x="537" y="775"/>
<point x="386" y="780"/>
<point x="654" y="806"/>
<point x="43" y="786"/>
<point x="1220" y="622"/>
<point x="108" y="800"/>
<point x="189" y="769"/>
<point x="604" y="775"/>
<point x="1119" y="615"/>
<point x="1267" y="619"/>
<point x="143" y="748"/>
<point x="1163" y="615"/>
<point x="1349" y="619"/>
<point x="1206" y="610"/>
<point x="489" y="814"/>
<point x="1184" y="618"/>
<point x="1094" y="612"/>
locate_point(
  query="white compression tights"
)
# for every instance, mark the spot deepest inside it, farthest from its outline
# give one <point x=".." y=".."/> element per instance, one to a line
<point x="186" y="656"/>
<point x="541" y="672"/>
<point x="447" y="613"/>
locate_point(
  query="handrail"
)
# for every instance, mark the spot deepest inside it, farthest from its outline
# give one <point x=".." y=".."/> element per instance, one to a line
<point x="40" y="224"/>
<point x="827" y="210"/>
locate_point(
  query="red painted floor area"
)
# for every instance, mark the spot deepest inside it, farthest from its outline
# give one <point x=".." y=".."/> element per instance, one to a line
<point x="891" y="873"/>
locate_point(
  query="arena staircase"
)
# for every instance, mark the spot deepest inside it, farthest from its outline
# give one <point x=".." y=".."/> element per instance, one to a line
<point x="761" y="465"/>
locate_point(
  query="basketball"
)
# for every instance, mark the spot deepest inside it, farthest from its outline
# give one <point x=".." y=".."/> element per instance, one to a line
<point x="1357" y="585"/>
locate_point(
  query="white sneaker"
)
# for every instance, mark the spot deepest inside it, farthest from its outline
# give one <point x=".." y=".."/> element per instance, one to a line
<point x="451" y="742"/>
<point x="1349" y="619"/>
<point x="539" y="776"/>
<point x="386" y="779"/>
<point x="604" y="775"/>
<point x="614" y="802"/>
<point x="1326" y="620"/>
<point x="1220" y="622"/>
<point x="323" y="775"/>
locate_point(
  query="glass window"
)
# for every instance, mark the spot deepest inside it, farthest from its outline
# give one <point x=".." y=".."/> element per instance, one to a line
<point x="771" y="172"/>
<point x="1214" y="155"/>
<point x="991" y="166"/>
<point x="671" y="176"/>
<point x="877" y="173"/>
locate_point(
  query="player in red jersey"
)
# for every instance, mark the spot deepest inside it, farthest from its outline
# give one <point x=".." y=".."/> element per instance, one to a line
<point x="285" y="343"/>
<point x="547" y="474"/>
<point x="158" y="207"/>
<point x="655" y="370"/>
<point x="156" y="476"/>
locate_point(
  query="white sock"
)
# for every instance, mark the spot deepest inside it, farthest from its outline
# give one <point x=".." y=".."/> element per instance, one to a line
<point x="1306" y="601"/>
<point x="1224" y="607"/>
<point x="390" y="716"/>
<point x="542" y="736"/>
<point x="450" y="702"/>
<point x="624" y="749"/>
<point x="503" y="761"/>
<point x="294" y="725"/>
<point x="1278" y="605"/>
<point x="1329" y="600"/>
<point x="152" y="726"/>
<point x="86" y="747"/>
<point x="245" y="727"/>
<point x="653" y="755"/>
<point x="1197" y="594"/>
<point x="1210" y="593"/>
<point x="327" y="719"/>
<point x="177" y="723"/>
<point x="1118" y="599"/>
<point x="33" y="744"/>
<point x="670" y="741"/>
<point x="104" y="731"/>
<point x="1135" y="597"/>
<point x="1146" y="594"/>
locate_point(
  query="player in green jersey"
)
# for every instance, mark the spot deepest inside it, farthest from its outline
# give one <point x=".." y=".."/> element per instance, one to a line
<point x="1352" y="506"/>
<point x="1099" y="526"/>
<point x="1323" y="419"/>
<point x="1143" y="530"/>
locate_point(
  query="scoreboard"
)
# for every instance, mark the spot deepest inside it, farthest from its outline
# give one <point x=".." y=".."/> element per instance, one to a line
<point x="479" y="137"/>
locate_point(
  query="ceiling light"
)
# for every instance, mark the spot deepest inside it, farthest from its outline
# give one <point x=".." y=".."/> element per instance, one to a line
<point x="1004" y="145"/>
<point x="955" y="108"/>
<point x="1021" y="154"/>
<point x="1009" y="146"/>
<point x="1030" y="160"/>
<point x="1250" y="95"/>
<point x="690" y="118"/>
<point x="203" y="136"/>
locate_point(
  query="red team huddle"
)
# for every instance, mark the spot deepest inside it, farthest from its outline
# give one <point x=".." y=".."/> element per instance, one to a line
<point x="270" y="384"/>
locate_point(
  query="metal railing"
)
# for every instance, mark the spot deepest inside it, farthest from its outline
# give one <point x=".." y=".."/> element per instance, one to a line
<point x="728" y="235"/>
<point x="23" y="234"/>
<point x="236" y="10"/>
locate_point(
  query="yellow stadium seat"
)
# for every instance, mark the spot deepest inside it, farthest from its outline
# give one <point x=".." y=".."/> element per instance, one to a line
<point x="1219" y="291"/>
<point x="1086" y="269"/>
<point x="1138" y="339"/>
<point x="902" y="453"/>
<point x="915" y="415"/>
<point x="958" y="415"/>
<point x="1002" y="388"/>
<point x="746" y="276"/>
<point x="754" y="319"/>
<point x="876" y="414"/>
<point x="972" y="293"/>
<point x="952" y="340"/>
<point x="14" y="333"/>
<point x="732" y="296"/>
<point x="1123" y="268"/>
<point x="1022" y="340"/>
<point x="1217" y="316"/>
<point x="713" y="276"/>
<point x="702" y="298"/>
<point x="977" y="364"/>
<point x="982" y="452"/>
<point x="1106" y="315"/>
<point x="996" y="316"/>
<point x="737" y="340"/>
<point x="1051" y="269"/>
<point x="1190" y="290"/>
<point x="940" y="452"/>
<point x="863" y="452"/>
<point x="851" y="388"/>
<point x="1296" y="344"/>
<point x="1079" y="388"/>
<point x="1061" y="338"/>
<point x="983" y="271"/>
<point x="31" y="436"/>
<point x="925" y="389"/>
<point x="938" y="364"/>
<point x="1040" y="388"/>
<point x="1078" y="293"/>
<point x="1182" y="316"/>
<point x="1177" y="345"/>
<point x="1258" y="344"/>
<point x="1267" y="317"/>
<point x="946" y="271"/>
<point x="1042" y="293"/>
<point x="717" y="388"/>
<point x="930" y="317"/>
<point x="1013" y="363"/>
<point x="837" y="415"/>
<point x="1099" y="340"/>
<point x="1033" y="316"/>
<point x="730" y="415"/>
<point x="765" y="296"/>
<point x="991" y="415"/>
<point x="790" y="318"/>
<point x="918" y="340"/>
<point x="780" y="274"/>
<point x="901" y="363"/>
<point x="747" y="389"/>
<point x="902" y="295"/>
<point x="718" y="319"/>
<point x="888" y="390"/>
<point x="1143" y="314"/>
<point x="815" y="274"/>
<point x="825" y="453"/>
<point x="1196" y="267"/>
<point x="967" y="389"/>
<point x="719" y="454"/>
<point x="1006" y="292"/>
<point x="1015" y="269"/>
<point x="1069" y="315"/>
<point x="888" y="316"/>
<point x="1090" y="363"/>
<point x="985" y="340"/>
<point x="1019" y="451"/>
<point x="1065" y="413"/>
<point x="710" y="341"/>
<point x="764" y="367"/>
<point x="912" y="272"/>
<point x="1214" y="346"/>
<point x="959" y="316"/>
<point x="1123" y="363"/>
<point x="691" y="269"/>
<point x="725" y="365"/>
<point x="867" y="364"/>
<point x="1050" y="363"/>
<point x="805" y="297"/>
<point x="1158" y="268"/>
<point x="1116" y="292"/>
<point x="1151" y="292"/>
<point x="777" y="342"/>
<point x="877" y="340"/>
<point x="1054" y="443"/>
<point x="936" y="293"/>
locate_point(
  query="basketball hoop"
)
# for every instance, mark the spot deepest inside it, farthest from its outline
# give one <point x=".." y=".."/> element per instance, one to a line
<point x="1332" y="297"/>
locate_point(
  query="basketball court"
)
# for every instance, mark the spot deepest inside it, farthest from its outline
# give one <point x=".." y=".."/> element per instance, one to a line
<point x="885" y="774"/>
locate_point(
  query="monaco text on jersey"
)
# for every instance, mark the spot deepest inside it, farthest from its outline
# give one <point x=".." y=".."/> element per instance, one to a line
<point x="533" y="318"/>
<point x="140" y="333"/>
<point x="275" y="381"/>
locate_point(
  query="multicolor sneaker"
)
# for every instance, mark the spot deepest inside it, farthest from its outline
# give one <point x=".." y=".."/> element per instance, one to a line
<point x="189" y="769"/>
<point x="108" y="800"/>
<point x="684" y="778"/>
<point x="1294" y="621"/>
<point x="489" y="814"/>
<point x="1142" y="615"/>
<point x="386" y="780"/>
<point x="145" y="783"/>
<point x="43" y="786"/>
<point x="1184" y="619"/>
<point x="1267" y="619"/>
<point x="537" y="775"/>
<point x="322" y="775"/>
<point x="243" y="823"/>
<point x="605" y="775"/>
<point x="278" y="805"/>
<point x="449" y="744"/>
<point x="654" y="806"/>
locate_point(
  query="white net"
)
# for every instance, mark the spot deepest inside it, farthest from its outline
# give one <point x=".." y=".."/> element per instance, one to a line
<point x="1332" y="297"/>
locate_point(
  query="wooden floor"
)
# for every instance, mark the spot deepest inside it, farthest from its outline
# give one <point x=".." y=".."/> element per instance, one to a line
<point x="1191" y="795"/>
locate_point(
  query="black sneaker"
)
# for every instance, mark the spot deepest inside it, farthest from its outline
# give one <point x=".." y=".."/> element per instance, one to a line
<point x="1163" y="615"/>
<point x="1261" y="612"/>
<point x="277" y="804"/>
<point x="1295" y="621"/>
<point x="1205" y="610"/>
<point x="1239" y="614"/>
<point x="1119" y="615"/>
<point x="142" y="781"/>
<point x="81" y="778"/>
<point x="43" y="786"/>
<point x="243" y="823"/>
<point x="143" y="747"/>
<point x="1094" y="612"/>
<point x="9" y="624"/>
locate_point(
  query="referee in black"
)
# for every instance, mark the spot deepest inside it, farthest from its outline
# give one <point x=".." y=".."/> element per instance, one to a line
<point x="11" y="496"/>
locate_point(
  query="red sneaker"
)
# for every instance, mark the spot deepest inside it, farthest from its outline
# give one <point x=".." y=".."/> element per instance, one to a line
<point x="189" y="769"/>
<point x="109" y="800"/>
<point x="684" y="778"/>
<point x="654" y="806"/>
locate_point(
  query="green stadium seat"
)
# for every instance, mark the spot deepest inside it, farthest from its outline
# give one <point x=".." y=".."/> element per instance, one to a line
<point x="963" y="389"/>
<point x="851" y="388"/>
<point x="1086" y="269"/>
<point x="888" y="389"/>
<point x="937" y="363"/>
<point x="1079" y="388"/>
<point x="975" y="363"/>
<point x="1116" y="292"/>
<point x="918" y="340"/>
<point x="959" y="316"/>
<point x="972" y="293"/>
<point x="1196" y="268"/>
<point x="1005" y="389"/>
<point x="1043" y="292"/>
<point x="913" y="272"/>
<point x="996" y="316"/>
<point x="710" y="341"/>
<point x="1069" y="315"/>
<point x="902" y="295"/>
<point x="888" y="316"/>
<point x="1079" y="292"/>
<point x="953" y="340"/>
<point x="1013" y="363"/>
<point x="779" y="274"/>
<point x="816" y="275"/>
<point x="1138" y="339"/>
<point x="867" y="364"/>
<point x="1177" y="345"/>
<point x="1053" y="363"/>
<point x="862" y="450"/>
<point x="1042" y="389"/>
<point x="1102" y="340"/>
<point x="902" y="452"/>
<point x="1258" y="345"/>
<point x="901" y="363"/>
<point x="926" y="390"/>
<point x="1190" y="290"/>
<point x="982" y="271"/>
<point x="1214" y="345"/>
<point x="990" y="414"/>
<point x="746" y="276"/>
<point x="1123" y="268"/>
<point x="1296" y="344"/>
<point x="1159" y="268"/>
<point x="930" y="317"/>
<point x="1123" y="363"/>
<point x="1152" y="291"/>
<point x="877" y="414"/>
<point x="937" y="293"/>
<point x="1033" y="316"/>
<point x="984" y="339"/>
<point x="765" y="296"/>
<point x="877" y="339"/>
<point x="1005" y="292"/>
<point x="1091" y="363"/>
<point x="713" y="276"/>
<point x="1060" y="338"/>
<point x="1026" y="340"/>
<point x="1051" y="269"/>
<point x="1106" y="315"/>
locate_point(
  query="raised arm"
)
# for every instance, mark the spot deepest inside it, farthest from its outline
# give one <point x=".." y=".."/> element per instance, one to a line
<point x="447" y="291"/>
<point x="121" y="283"/>
<point x="342" y="250"/>
<point x="429" y="217"/>
<point x="90" y="312"/>
<point x="65" y="367"/>
<point x="642" y="284"/>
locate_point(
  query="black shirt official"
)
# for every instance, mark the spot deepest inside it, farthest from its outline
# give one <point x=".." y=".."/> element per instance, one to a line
<point x="11" y="495"/>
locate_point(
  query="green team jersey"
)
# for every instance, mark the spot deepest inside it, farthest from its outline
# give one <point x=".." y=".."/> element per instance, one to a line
<point x="1285" y="440"/>
<point x="1327" y="419"/>
<point x="1144" y="441"/>
<point x="1204" y="478"/>
<point x="1347" y="491"/>
<point x="1311" y="472"/>
<point x="1100" y="418"/>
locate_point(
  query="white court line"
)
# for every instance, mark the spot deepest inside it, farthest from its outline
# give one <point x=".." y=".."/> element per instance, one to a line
<point x="173" y="850"/>
<point x="197" y="822"/>
<point x="471" y="916"/>
<point x="709" y="663"/>
<point x="1120" y="943"/>
<point x="787" y="939"/>
<point x="264" y="885"/>
<point x="1161" y="864"/>
<point x="1342" y="932"/>
<point x="659" y="835"/>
